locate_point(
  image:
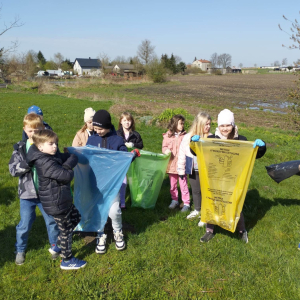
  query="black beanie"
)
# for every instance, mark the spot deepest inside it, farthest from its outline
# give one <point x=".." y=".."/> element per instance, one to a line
<point x="102" y="119"/>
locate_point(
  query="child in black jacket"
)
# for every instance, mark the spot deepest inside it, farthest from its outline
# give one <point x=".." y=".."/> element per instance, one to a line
<point x="55" y="173"/>
<point x="131" y="139"/>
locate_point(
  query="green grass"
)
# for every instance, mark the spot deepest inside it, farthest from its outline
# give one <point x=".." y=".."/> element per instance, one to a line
<point x="164" y="258"/>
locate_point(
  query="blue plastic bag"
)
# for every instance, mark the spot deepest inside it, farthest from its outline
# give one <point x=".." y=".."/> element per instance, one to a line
<point x="98" y="178"/>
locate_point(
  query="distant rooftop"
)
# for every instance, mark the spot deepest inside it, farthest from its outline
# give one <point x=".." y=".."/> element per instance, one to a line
<point x="89" y="62"/>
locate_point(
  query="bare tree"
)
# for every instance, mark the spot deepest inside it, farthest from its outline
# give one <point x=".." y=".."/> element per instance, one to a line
<point x="284" y="62"/>
<point x="16" y="22"/>
<point x="58" y="59"/>
<point x="145" y="51"/>
<point x="255" y="65"/>
<point x="276" y="63"/>
<point x="214" y="60"/>
<point x="240" y="65"/>
<point x="224" y="60"/>
<point x="294" y="33"/>
<point x="177" y="59"/>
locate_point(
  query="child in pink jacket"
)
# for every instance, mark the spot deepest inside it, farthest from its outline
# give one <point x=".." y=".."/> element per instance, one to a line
<point x="171" y="143"/>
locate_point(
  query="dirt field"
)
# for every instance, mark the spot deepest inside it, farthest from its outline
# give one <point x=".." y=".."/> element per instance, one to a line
<point x="257" y="100"/>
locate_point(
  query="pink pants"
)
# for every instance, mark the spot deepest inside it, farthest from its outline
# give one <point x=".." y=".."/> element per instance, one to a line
<point x="185" y="194"/>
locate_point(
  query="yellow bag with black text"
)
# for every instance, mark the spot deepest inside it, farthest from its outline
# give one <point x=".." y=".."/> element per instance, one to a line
<point x="225" y="168"/>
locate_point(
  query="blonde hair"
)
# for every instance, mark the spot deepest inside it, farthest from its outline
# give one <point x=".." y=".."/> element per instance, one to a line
<point x="43" y="136"/>
<point x="128" y="116"/>
<point x="199" y="123"/>
<point x="33" y="120"/>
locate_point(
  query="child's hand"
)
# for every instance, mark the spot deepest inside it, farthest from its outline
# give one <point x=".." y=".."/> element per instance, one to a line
<point x="258" y="143"/>
<point x="167" y="151"/>
<point x="136" y="153"/>
<point x="129" y="145"/>
<point x="195" y="138"/>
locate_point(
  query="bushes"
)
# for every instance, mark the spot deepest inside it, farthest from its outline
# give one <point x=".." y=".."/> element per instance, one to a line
<point x="156" y="71"/>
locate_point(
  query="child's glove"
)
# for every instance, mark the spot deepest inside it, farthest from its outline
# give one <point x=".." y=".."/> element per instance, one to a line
<point x="181" y="177"/>
<point x="136" y="153"/>
<point x="129" y="145"/>
<point x="258" y="143"/>
<point x="195" y="138"/>
<point x="167" y="151"/>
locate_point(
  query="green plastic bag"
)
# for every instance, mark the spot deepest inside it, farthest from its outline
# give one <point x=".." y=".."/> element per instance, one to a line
<point x="145" y="177"/>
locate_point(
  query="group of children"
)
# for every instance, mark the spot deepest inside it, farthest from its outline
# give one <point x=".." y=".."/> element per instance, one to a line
<point x="45" y="174"/>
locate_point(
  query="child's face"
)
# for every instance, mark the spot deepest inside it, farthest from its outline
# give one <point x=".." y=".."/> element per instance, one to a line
<point x="48" y="147"/>
<point x="101" y="131"/>
<point x="225" y="129"/>
<point x="89" y="125"/>
<point x="126" y="123"/>
<point x="180" y="125"/>
<point x="207" y="126"/>
<point x="30" y="131"/>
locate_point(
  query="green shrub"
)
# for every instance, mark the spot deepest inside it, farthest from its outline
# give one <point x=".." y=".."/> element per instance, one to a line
<point x="156" y="71"/>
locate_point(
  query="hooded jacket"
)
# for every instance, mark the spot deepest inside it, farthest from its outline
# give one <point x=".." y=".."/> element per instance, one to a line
<point x="18" y="167"/>
<point x="172" y="143"/>
<point x="134" y="137"/>
<point x="110" y="141"/>
<point x="55" y="174"/>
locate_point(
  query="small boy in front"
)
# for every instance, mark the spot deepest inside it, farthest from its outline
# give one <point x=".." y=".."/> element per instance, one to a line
<point x="55" y="173"/>
<point x="27" y="190"/>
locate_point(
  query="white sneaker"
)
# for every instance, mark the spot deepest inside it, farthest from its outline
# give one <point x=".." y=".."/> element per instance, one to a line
<point x="201" y="224"/>
<point x="195" y="213"/>
<point x="100" y="248"/>
<point x="119" y="238"/>
<point x="173" y="204"/>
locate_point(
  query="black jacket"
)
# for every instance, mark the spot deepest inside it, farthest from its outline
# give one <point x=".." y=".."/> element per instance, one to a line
<point x="55" y="174"/>
<point x="134" y="137"/>
<point x="260" y="152"/>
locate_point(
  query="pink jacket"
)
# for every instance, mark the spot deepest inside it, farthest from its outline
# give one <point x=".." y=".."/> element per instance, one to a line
<point x="173" y="144"/>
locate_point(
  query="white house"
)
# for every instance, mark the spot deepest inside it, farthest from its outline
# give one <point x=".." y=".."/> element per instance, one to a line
<point x="87" y="66"/>
<point x="202" y="64"/>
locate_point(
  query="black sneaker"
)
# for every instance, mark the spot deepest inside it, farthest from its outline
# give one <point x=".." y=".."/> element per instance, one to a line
<point x="243" y="236"/>
<point x="207" y="237"/>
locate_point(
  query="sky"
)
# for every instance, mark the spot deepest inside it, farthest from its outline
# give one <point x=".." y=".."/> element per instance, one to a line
<point x="247" y="30"/>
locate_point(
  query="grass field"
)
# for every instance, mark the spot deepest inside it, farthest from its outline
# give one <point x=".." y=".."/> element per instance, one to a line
<point x="164" y="258"/>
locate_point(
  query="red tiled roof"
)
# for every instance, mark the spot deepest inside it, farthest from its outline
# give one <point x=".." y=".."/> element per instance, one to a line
<point x="204" y="61"/>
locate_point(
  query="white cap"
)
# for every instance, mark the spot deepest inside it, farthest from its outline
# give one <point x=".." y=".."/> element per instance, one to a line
<point x="88" y="114"/>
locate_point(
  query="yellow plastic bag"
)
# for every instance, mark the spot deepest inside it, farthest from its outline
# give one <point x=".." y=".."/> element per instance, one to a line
<point x="225" y="168"/>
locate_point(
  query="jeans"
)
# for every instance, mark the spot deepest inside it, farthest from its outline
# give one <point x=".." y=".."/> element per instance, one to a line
<point x="196" y="190"/>
<point x="28" y="215"/>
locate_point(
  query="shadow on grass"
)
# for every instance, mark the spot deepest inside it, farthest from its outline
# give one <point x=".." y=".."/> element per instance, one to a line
<point x="38" y="239"/>
<point x="8" y="195"/>
<point x="255" y="208"/>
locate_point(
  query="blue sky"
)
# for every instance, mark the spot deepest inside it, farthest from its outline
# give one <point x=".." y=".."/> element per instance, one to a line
<point x="248" y="30"/>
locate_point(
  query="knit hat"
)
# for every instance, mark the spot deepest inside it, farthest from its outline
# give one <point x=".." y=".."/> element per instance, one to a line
<point x="88" y="114"/>
<point x="35" y="109"/>
<point x="102" y="119"/>
<point x="226" y="117"/>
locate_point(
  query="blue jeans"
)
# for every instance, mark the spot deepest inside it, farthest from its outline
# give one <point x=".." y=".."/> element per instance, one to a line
<point x="27" y="213"/>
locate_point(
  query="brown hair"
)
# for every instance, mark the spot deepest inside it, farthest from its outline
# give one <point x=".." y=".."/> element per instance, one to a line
<point x="83" y="128"/>
<point x="128" y="116"/>
<point x="172" y="126"/>
<point x="199" y="123"/>
<point x="43" y="136"/>
<point x="33" y="121"/>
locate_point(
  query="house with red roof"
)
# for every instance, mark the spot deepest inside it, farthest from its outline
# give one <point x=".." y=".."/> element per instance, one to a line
<point x="202" y="64"/>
